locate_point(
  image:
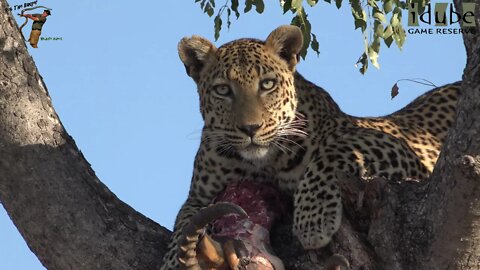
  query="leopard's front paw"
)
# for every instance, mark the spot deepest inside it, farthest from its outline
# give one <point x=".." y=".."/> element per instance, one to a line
<point x="315" y="229"/>
<point x="312" y="238"/>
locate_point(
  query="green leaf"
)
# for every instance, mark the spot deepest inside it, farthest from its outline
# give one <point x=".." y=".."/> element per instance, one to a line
<point x="212" y="2"/>
<point x="209" y="10"/>
<point x="374" y="50"/>
<point x="372" y="3"/>
<point x="302" y="21"/>
<point x="387" y="32"/>
<point x="378" y="29"/>
<point x="234" y="7"/>
<point x="376" y="45"/>
<point x="394" y="20"/>
<point x="359" y="15"/>
<point x="403" y="4"/>
<point x="360" y="23"/>
<point x="387" y="6"/>
<point x="363" y="61"/>
<point x="287" y="5"/>
<point x="378" y="15"/>
<point x="399" y="36"/>
<point x="373" y="56"/>
<point x="328" y="1"/>
<point x="229" y="13"/>
<point x="218" y="26"/>
<point x="297" y="5"/>
<point x="388" y="41"/>
<point x="398" y="12"/>
<point x="259" y="6"/>
<point x="248" y="5"/>
<point x="338" y="3"/>
<point x="314" y="45"/>
<point x="312" y="2"/>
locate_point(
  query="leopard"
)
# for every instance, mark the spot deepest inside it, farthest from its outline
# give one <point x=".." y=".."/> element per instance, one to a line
<point x="263" y="121"/>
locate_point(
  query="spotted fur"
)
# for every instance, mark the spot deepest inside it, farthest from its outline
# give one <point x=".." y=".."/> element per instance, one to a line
<point x="293" y="135"/>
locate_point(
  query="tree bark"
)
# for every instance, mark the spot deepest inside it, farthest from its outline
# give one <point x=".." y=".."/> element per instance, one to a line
<point x="455" y="187"/>
<point x="70" y="220"/>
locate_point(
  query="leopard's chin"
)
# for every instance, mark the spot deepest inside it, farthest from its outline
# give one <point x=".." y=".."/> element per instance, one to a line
<point x="254" y="152"/>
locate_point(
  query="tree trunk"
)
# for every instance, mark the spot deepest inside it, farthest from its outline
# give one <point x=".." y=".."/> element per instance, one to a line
<point x="454" y="196"/>
<point x="70" y="220"/>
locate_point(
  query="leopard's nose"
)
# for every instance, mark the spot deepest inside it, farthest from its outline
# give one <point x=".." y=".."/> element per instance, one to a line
<point x="250" y="130"/>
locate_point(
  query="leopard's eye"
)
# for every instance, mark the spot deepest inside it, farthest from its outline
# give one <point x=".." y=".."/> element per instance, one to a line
<point x="267" y="84"/>
<point x="222" y="90"/>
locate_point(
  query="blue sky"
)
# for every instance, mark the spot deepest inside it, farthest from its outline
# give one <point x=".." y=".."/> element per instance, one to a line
<point x="121" y="91"/>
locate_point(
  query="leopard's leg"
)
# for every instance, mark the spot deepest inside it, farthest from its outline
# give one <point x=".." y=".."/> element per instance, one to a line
<point x="357" y="152"/>
<point x="318" y="207"/>
<point x="206" y="184"/>
<point x="170" y="259"/>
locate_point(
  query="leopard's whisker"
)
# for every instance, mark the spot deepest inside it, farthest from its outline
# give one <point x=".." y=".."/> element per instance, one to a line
<point x="281" y="147"/>
<point x="287" y="140"/>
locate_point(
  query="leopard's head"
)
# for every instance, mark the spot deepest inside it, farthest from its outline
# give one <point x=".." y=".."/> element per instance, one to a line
<point x="246" y="88"/>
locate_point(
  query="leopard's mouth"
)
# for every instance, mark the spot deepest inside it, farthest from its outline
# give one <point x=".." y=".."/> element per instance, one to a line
<point x="254" y="151"/>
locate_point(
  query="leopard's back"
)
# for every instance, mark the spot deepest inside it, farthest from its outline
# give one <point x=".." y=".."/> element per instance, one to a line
<point x="423" y="124"/>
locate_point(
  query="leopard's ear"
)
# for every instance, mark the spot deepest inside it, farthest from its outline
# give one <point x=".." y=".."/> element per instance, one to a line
<point x="195" y="52"/>
<point x="286" y="41"/>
